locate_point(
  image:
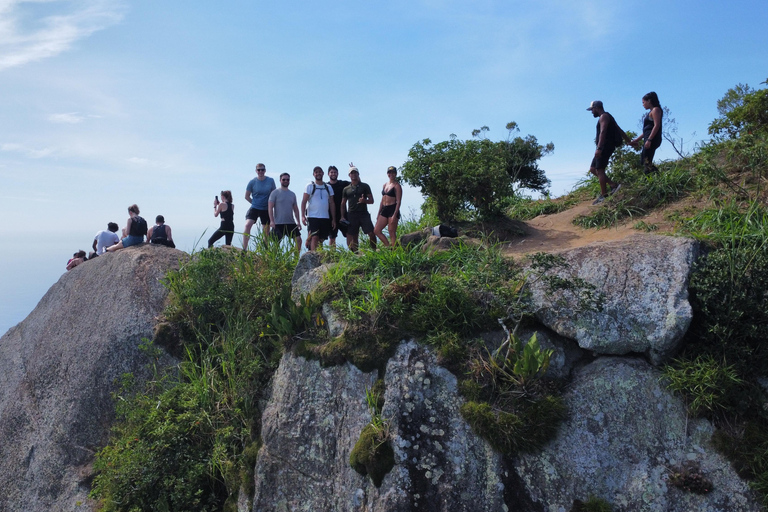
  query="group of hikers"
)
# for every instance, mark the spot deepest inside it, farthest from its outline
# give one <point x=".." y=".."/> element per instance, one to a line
<point x="609" y="136"/>
<point x="326" y="209"/>
<point x="134" y="233"/>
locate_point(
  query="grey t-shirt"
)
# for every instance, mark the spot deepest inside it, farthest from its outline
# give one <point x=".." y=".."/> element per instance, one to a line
<point x="284" y="201"/>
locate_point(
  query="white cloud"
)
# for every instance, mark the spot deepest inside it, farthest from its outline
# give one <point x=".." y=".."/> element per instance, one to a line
<point x="48" y="36"/>
<point x="68" y="118"/>
<point x="24" y="150"/>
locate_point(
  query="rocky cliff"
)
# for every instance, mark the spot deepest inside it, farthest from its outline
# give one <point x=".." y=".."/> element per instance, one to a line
<point x="59" y="366"/>
<point x="623" y="435"/>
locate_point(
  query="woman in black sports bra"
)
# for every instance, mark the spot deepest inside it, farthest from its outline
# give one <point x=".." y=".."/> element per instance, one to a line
<point x="389" y="209"/>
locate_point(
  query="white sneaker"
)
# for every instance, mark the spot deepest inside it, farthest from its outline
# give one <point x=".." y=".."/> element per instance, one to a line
<point x="599" y="200"/>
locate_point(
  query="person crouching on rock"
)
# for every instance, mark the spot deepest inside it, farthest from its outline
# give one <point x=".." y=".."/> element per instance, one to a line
<point x="134" y="231"/>
<point x="77" y="258"/>
<point x="160" y="233"/>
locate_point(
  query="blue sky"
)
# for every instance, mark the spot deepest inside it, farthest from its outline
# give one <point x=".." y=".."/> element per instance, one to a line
<point x="107" y="103"/>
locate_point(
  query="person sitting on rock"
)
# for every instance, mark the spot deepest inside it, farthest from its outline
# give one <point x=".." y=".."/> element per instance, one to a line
<point x="77" y="258"/>
<point x="105" y="238"/>
<point x="134" y="231"/>
<point x="160" y="233"/>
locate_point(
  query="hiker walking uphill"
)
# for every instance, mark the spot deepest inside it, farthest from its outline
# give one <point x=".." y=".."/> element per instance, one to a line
<point x="607" y="138"/>
<point x="284" y="212"/>
<point x="651" y="132"/>
<point x="257" y="193"/>
<point x="134" y="231"/>
<point x="318" y="210"/>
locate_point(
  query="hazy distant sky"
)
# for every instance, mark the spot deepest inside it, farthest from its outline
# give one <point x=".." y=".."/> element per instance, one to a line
<point x="107" y="103"/>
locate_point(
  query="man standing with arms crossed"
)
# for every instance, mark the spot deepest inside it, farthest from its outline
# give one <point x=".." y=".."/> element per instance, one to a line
<point x="358" y="196"/>
<point x="257" y="193"/>
<point x="318" y="209"/>
<point x="607" y="140"/>
<point x="338" y="187"/>
<point x="283" y="209"/>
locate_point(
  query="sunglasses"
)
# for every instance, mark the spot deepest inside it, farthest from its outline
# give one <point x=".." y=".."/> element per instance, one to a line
<point x="261" y="170"/>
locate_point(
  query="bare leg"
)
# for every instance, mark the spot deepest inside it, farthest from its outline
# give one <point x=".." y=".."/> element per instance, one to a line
<point x="247" y="233"/>
<point x="392" y="228"/>
<point x="378" y="230"/>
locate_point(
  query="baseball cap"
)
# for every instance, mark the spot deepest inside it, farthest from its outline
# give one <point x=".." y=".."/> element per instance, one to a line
<point x="596" y="103"/>
<point x="353" y="169"/>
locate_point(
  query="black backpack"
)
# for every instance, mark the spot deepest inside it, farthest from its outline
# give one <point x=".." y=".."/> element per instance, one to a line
<point x="138" y="226"/>
<point x="314" y="187"/>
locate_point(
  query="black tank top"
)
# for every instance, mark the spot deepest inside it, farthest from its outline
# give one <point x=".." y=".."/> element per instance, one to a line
<point x="648" y="128"/>
<point x="228" y="215"/>
<point x="158" y="234"/>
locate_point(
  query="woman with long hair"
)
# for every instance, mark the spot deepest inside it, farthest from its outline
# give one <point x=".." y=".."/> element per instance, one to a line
<point x="651" y="132"/>
<point x="134" y="232"/>
<point x="389" y="209"/>
<point x="226" y="210"/>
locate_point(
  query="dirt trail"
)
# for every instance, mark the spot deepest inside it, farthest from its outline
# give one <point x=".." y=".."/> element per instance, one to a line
<point x="556" y="232"/>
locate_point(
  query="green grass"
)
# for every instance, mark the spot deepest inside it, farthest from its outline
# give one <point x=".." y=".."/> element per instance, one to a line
<point x="188" y="439"/>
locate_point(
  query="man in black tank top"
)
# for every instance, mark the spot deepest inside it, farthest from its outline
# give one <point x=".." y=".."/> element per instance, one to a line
<point x="605" y="140"/>
<point x="161" y="233"/>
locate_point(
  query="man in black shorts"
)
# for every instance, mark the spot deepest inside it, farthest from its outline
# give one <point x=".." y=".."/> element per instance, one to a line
<point x="317" y="209"/>
<point x="338" y="187"/>
<point x="354" y="207"/>
<point x="257" y="193"/>
<point x="283" y="211"/>
<point x="606" y="140"/>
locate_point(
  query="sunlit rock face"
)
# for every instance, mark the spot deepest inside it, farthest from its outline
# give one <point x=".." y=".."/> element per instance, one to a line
<point x="59" y="367"/>
<point x="644" y="281"/>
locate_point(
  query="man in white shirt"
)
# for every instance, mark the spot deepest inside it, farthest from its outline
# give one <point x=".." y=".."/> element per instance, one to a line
<point x="318" y="209"/>
<point x="105" y="238"/>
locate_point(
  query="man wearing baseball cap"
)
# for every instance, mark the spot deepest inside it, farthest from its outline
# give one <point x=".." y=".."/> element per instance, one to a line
<point x="608" y="136"/>
<point x="354" y="208"/>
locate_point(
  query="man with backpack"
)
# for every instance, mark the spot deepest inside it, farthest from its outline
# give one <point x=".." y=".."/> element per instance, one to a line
<point x="160" y="233"/>
<point x="608" y="137"/>
<point x="318" y="211"/>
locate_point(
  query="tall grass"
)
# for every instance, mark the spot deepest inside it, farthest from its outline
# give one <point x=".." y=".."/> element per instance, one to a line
<point x="186" y="442"/>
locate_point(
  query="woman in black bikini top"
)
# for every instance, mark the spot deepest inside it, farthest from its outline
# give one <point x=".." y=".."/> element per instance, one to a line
<point x="389" y="210"/>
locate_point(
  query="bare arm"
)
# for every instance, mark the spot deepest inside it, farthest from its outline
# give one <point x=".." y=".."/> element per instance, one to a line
<point x="656" y="116"/>
<point x="168" y="233"/>
<point x="248" y="195"/>
<point x="304" y="208"/>
<point x="94" y="244"/>
<point x="271" y="211"/>
<point x="332" y="209"/>
<point x="398" y="198"/>
<point x="343" y="207"/>
<point x="149" y="233"/>
<point x="296" y="213"/>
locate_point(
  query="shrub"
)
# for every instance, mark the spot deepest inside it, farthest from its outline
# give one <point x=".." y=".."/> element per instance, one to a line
<point x="742" y="110"/>
<point x="477" y="174"/>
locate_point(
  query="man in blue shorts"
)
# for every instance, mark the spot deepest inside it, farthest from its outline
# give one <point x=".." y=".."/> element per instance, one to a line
<point x="607" y="138"/>
<point x="318" y="209"/>
<point x="284" y="212"/>
<point x="257" y="193"/>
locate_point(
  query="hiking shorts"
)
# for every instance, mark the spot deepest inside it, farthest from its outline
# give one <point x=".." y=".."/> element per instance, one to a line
<point x="388" y="211"/>
<point x="255" y="214"/>
<point x="289" y="230"/>
<point x="359" y="220"/>
<point x="602" y="161"/>
<point x="320" y="228"/>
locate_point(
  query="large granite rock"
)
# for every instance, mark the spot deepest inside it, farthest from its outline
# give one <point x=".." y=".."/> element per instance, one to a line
<point x="644" y="279"/>
<point x="314" y="418"/>
<point x="624" y="433"/>
<point x="59" y="366"/>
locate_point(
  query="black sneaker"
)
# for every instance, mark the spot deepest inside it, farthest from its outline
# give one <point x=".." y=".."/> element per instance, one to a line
<point x="614" y="190"/>
<point x="599" y="200"/>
